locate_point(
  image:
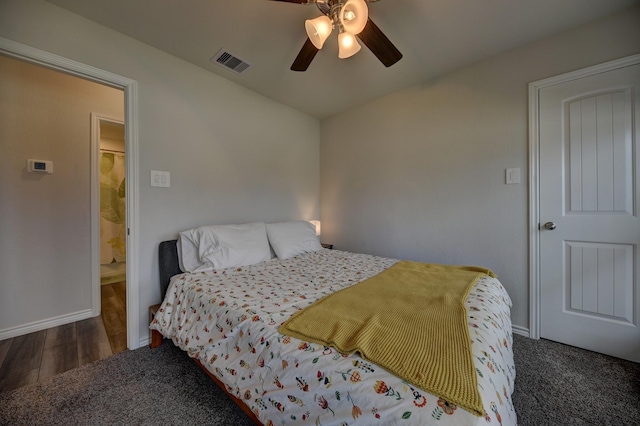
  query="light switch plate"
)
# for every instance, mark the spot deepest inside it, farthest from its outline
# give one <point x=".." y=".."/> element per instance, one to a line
<point x="161" y="179"/>
<point x="512" y="176"/>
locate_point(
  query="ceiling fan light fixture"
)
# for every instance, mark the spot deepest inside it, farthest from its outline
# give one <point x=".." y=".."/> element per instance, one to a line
<point x="350" y="18"/>
<point x="354" y="15"/>
<point x="318" y="30"/>
<point x="347" y="45"/>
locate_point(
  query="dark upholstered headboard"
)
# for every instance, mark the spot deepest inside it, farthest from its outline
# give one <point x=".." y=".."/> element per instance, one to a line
<point x="168" y="263"/>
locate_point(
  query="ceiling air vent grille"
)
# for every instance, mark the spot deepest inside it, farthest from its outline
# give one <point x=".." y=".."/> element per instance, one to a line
<point x="229" y="61"/>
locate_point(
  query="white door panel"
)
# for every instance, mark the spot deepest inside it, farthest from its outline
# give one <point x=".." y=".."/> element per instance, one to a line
<point x="589" y="187"/>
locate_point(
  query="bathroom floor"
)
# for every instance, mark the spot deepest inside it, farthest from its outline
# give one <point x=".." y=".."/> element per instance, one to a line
<point x="114" y="314"/>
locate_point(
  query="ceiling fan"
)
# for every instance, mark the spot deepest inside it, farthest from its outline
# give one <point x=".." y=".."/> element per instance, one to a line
<point x="350" y="18"/>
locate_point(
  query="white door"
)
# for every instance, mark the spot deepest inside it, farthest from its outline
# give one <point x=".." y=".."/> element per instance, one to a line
<point x="590" y="194"/>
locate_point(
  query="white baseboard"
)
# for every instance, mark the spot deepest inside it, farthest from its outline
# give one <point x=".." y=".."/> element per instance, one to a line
<point x="144" y="342"/>
<point x="21" y="330"/>
<point x="523" y="331"/>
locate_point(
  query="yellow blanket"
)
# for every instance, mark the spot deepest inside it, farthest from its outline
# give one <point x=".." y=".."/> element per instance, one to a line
<point x="410" y="320"/>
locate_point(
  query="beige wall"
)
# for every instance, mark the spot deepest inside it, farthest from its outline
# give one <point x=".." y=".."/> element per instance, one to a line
<point x="112" y="136"/>
<point x="45" y="229"/>
<point x="234" y="156"/>
<point x="112" y="144"/>
<point x="420" y="174"/>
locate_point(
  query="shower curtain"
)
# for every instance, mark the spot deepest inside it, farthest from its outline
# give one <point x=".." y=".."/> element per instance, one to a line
<point x="112" y="208"/>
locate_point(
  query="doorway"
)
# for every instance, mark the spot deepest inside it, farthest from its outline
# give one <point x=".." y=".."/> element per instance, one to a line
<point x="585" y="216"/>
<point x="129" y="87"/>
<point x="109" y="135"/>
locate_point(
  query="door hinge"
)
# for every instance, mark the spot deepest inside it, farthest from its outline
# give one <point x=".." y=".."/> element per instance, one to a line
<point x="128" y="231"/>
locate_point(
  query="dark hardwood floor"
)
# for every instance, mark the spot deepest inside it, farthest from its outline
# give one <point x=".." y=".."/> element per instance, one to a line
<point x="114" y="315"/>
<point x="36" y="356"/>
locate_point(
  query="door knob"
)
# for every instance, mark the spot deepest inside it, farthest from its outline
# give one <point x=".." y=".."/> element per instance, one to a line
<point x="550" y="226"/>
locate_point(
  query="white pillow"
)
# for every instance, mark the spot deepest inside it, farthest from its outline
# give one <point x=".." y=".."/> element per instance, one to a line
<point x="188" y="258"/>
<point x="290" y="239"/>
<point x="179" y="250"/>
<point x="224" y="246"/>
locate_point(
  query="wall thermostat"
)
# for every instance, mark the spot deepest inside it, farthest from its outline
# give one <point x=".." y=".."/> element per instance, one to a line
<point x="39" y="166"/>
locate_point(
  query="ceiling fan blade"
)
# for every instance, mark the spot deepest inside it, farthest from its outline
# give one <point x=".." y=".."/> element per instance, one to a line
<point x="379" y="44"/>
<point x="297" y="1"/>
<point x="304" y="58"/>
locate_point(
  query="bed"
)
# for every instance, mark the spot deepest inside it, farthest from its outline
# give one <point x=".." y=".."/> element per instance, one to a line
<point x="228" y="321"/>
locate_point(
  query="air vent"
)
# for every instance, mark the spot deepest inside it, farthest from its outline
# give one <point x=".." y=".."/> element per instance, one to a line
<point x="229" y="61"/>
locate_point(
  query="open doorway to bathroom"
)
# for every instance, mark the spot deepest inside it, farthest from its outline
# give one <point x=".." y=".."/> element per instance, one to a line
<point x="59" y="257"/>
<point x="113" y="228"/>
<point x="50" y="263"/>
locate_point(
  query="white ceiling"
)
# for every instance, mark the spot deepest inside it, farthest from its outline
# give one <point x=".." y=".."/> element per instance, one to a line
<point x="435" y="37"/>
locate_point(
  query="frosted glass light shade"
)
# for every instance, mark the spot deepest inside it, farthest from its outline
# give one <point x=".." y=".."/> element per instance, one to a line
<point x="347" y="45"/>
<point x="317" y="225"/>
<point x="318" y="30"/>
<point x="353" y="16"/>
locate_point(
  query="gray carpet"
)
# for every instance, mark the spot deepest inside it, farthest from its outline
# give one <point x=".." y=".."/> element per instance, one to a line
<point x="141" y="387"/>
<point x="555" y="385"/>
<point x="562" y="385"/>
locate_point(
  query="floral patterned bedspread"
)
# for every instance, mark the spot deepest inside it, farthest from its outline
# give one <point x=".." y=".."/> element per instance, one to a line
<point x="228" y="319"/>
